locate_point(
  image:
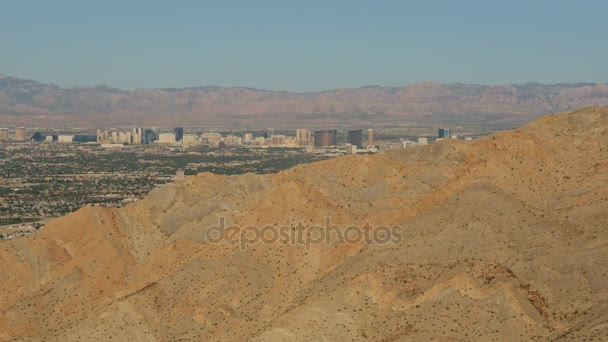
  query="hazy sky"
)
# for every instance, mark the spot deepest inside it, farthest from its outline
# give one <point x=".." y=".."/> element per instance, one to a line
<point x="303" y="45"/>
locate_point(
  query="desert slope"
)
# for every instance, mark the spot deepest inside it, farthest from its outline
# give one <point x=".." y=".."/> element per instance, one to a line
<point x="503" y="238"/>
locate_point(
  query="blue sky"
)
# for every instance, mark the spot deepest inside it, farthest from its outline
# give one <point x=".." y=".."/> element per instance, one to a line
<point x="303" y="45"/>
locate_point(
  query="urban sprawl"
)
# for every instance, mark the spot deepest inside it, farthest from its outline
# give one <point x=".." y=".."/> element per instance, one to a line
<point x="49" y="173"/>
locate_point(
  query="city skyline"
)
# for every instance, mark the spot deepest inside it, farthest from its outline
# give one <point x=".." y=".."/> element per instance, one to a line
<point x="328" y="140"/>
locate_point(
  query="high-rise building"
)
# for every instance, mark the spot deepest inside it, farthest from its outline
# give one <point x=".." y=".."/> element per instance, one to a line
<point x="303" y="136"/>
<point x="125" y="138"/>
<point x="370" y="137"/>
<point x="259" y="141"/>
<point x="278" y="139"/>
<point x="102" y="136"/>
<point x="20" y="133"/>
<point x="233" y="140"/>
<point x="444" y="133"/>
<point x="325" y="138"/>
<point x="167" y="138"/>
<point x="211" y="138"/>
<point x="355" y="138"/>
<point x="138" y="135"/>
<point x="191" y="140"/>
<point x="149" y="136"/>
<point x="248" y="137"/>
<point x="179" y="133"/>
<point x="270" y="132"/>
<point x="3" y="134"/>
<point x="423" y="141"/>
<point x="290" y="141"/>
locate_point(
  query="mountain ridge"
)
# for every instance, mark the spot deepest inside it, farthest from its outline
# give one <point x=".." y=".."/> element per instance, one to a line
<point x="25" y="100"/>
<point x="502" y="238"/>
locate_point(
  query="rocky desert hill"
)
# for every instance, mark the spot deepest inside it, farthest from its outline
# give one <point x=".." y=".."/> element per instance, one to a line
<point x="502" y="239"/>
<point x="25" y="102"/>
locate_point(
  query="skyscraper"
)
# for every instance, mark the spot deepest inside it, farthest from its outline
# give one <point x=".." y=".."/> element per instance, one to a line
<point x="278" y="139"/>
<point x="444" y="133"/>
<point x="125" y="138"/>
<point x="149" y="136"/>
<point x="3" y="133"/>
<point x="325" y="138"/>
<point x="355" y="138"/>
<point x="370" y="137"/>
<point x="167" y="138"/>
<point x="179" y="133"/>
<point x="103" y="137"/>
<point x="138" y="135"/>
<point x="303" y="136"/>
<point x="20" y="133"/>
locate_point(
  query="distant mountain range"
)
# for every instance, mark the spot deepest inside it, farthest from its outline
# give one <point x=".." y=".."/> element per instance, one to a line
<point x="29" y="102"/>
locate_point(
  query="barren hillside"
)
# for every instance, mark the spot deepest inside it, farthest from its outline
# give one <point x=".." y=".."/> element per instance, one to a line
<point x="502" y="238"/>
